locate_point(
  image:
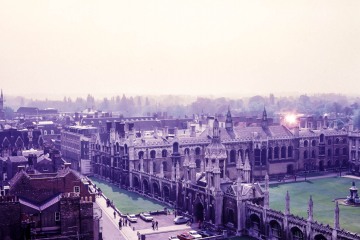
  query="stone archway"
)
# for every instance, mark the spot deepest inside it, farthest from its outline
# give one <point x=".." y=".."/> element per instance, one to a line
<point x="320" y="237"/>
<point x="255" y="222"/>
<point x="136" y="183"/>
<point x="296" y="234"/>
<point x="166" y="193"/>
<point x="146" y="187"/>
<point x="199" y="212"/>
<point x="156" y="189"/>
<point x="275" y="230"/>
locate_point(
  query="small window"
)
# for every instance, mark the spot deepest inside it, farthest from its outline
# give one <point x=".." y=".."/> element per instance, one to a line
<point x="77" y="189"/>
<point x="57" y="216"/>
<point x="52" y="132"/>
<point x="45" y="132"/>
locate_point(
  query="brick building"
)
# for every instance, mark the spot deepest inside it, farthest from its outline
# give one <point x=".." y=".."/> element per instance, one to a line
<point x="48" y="205"/>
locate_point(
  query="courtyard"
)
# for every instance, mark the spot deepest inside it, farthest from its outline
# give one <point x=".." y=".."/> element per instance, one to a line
<point x="323" y="192"/>
<point x="126" y="201"/>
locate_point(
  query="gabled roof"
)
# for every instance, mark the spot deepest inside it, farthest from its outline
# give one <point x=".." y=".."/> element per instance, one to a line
<point x="43" y="206"/>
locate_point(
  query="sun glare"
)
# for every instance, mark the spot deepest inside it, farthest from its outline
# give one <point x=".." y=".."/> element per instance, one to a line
<point x="290" y="118"/>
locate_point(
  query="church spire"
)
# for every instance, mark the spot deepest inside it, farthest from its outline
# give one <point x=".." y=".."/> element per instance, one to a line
<point x="229" y="122"/>
<point x="264" y="119"/>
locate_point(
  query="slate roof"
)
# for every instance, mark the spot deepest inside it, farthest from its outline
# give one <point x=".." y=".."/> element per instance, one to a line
<point x="17" y="159"/>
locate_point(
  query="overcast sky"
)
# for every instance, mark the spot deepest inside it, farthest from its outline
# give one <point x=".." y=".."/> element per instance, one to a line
<point x="56" y="48"/>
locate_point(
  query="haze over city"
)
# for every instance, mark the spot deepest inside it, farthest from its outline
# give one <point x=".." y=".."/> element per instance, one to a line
<point x="56" y="48"/>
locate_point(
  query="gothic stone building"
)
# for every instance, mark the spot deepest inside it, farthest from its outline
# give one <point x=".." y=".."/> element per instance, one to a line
<point x="210" y="174"/>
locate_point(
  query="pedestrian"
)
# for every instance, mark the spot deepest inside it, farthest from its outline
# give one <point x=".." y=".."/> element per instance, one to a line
<point x="120" y="224"/>
<point x="125" y="222"/>
<point x="114" y="215"/>
<point x="138" y="234"/>
<point x="153" y="225"/>
<point x="157" y="225"/>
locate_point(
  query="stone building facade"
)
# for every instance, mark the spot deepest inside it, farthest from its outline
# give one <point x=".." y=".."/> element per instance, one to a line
<point x="210" y="174"/>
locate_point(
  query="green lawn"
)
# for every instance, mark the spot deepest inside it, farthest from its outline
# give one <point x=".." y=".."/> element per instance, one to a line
<point x="323" y="192"/>
<point x="125" y="201"/>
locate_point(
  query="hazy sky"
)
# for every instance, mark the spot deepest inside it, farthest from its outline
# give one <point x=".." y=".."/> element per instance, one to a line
<point x="57" y="48"/>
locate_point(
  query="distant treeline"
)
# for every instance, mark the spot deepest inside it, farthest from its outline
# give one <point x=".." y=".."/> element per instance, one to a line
<point x="180" y="106"/>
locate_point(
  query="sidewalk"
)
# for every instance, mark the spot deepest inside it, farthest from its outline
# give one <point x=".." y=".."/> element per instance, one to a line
<point x="127" y="232"/>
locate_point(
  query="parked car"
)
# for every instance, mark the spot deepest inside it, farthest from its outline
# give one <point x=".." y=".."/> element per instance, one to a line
<point x="173" y="238"/>
<point x="131" y="218"/>
<point x="195" y="234"/>
<point x="185" y="236"/>
<point x="181" y="220"/>
<point x="146" y="217"/>
<point x="205" y="233"/>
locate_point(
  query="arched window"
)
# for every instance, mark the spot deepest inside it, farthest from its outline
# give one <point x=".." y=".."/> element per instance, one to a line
<point x="186" y="151"/>
<point x="241" y="154"/>
<point x="164" y="153"/>
<point x="257" y="157"/>
<point x="306" y="143"/>
<point x="141" y="155"/>
<point x="313" y="143"/>
<point x="232" y="156"/>
<point x="45" y="132"/>
<point x="52" y="132"/>
<point x="297" y="234"/>
<point x="164" y="166"/>
<point x="275" y="229"/>
<point x="305" y="154"/>
<point x="329" y="141"/>
<point x="337" y="140"/>
<point x="197" y="151"/>
<point x="283" y="152"/>
<point x="263" y="156"/>
<point x="344" y="151"/>
<point x="175" y="147"/>
<point x="270" y="150"/>
<point x="344" y="141"/>
<point x="337" y="152"/>
<point x="329" y="153"/>
<point x="313" y="154"/>
<point x="290" y="151"/>
<point x="198" y="163"/>
<point x="321" y="138"/>
<point x="152" y="154"/>
<point x="276" y="152"/>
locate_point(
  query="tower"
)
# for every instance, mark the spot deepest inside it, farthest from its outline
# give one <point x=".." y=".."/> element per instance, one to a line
<point x="264" y="119"/>
<point x="229" y="122"/>
<point x="214" y="154"/>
